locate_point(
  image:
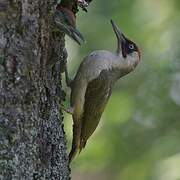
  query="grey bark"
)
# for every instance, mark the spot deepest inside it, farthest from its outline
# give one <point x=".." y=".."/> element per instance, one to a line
<point x="32" y="55"/>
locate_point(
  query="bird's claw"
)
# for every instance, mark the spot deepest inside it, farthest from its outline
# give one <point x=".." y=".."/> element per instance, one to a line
<point x="67" y="110"/>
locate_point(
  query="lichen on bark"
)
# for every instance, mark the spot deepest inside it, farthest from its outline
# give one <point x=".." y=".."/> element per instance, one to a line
<point x="32" y="55"/>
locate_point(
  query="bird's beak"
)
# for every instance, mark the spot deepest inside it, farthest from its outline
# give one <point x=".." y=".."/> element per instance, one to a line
<point x="120" y="36"/>
<point x="71" y="31"/>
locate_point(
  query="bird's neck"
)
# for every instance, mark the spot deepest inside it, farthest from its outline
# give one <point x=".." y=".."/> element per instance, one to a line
<point x="125" y="64"/>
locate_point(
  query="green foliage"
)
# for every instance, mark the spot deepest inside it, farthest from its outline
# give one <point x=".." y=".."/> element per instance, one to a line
<point x="140" y="128"/>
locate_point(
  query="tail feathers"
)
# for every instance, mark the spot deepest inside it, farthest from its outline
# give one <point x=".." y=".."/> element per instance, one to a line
<point x="75" y="142"/>
<point x="75" y="149"/>
<point x="73" y="152"/>
<point x="82" y="145"/>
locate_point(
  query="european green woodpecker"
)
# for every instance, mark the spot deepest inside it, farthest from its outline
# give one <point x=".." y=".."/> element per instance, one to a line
<point x="93" y="83"/>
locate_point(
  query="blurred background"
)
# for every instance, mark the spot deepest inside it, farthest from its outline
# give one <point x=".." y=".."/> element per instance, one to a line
<point x="138" y="137"/>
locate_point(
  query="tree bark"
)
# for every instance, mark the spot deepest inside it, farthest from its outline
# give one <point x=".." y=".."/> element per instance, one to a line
<point x="32" y="56"/>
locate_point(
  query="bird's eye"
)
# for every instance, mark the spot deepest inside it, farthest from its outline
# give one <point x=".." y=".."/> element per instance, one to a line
<point x="131" y="46"/>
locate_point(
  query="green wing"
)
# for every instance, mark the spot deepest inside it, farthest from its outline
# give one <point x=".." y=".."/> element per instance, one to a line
<point x="96" y="98"/>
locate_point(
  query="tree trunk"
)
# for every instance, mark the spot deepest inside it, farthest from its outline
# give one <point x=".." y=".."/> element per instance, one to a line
<point x="32" y="55"/>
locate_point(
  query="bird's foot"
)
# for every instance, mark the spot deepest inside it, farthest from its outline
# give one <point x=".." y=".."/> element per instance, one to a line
<point x="69" y="110"/>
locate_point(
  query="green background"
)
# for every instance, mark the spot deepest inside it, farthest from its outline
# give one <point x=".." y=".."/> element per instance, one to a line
<point x="139" y="134"/>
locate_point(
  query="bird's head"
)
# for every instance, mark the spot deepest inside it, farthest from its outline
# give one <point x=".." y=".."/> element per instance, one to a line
<point x="125" y="46"/>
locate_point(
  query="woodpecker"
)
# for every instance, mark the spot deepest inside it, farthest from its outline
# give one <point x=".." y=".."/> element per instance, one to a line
<point x="93" y="83"/>
<point x="65" y="18"/>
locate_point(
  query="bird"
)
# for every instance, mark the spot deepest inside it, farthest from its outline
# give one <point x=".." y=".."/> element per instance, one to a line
<point x="93" y="83"/>
<point x="65" y="19"/>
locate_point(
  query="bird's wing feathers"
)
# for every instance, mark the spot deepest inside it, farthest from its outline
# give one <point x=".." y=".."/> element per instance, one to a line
<point x="96" y="97"/>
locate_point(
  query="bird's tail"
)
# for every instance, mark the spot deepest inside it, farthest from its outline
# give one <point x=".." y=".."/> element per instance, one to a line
<point x="82" y="145"/>
<point x="75" y="142"/>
